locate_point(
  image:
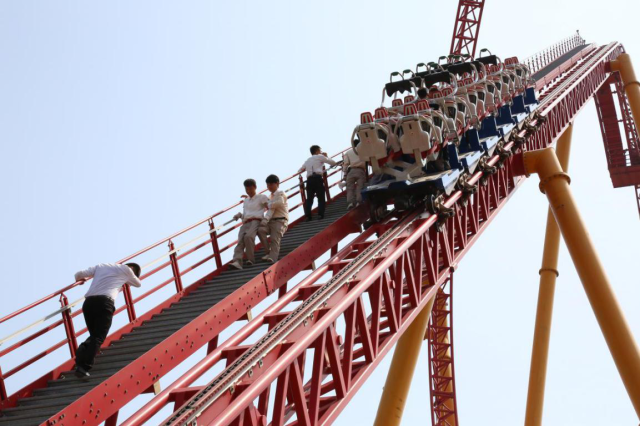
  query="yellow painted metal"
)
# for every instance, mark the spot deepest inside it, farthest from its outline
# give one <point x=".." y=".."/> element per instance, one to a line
<point x="544" y="313"/>
<point x="405" y="358"/>
<point x="631" y="85"/>
<point x="624" y="350"/>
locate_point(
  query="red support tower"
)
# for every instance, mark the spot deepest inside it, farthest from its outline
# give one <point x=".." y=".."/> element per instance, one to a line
<point x="619" y="134"/>
<point x="467" y="27"/>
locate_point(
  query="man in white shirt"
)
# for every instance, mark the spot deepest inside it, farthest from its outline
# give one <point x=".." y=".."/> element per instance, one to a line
<point x="315" y="183"/>
<point x="253" y="208"/>
<point x="355" y="172"/>
<point x="99" y="306"/>
<point x="275" y="222"/>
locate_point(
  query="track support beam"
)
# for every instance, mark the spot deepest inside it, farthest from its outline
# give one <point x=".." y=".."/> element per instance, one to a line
<point x="631" y="85"/>
<point x="544" y="313"/>
<point x="403" y="364"/>
<point x="554" y="182"/>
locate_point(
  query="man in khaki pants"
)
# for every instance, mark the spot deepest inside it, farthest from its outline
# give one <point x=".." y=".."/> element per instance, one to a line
<point x="253" y="208"/>
<point x="275" y="221"/>
<point x="355" y="172"/>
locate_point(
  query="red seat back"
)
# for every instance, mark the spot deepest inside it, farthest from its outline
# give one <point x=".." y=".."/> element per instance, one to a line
<point x="366" y="117"/>
<point x="381" y="113"/>
<point x="422" y="105"/>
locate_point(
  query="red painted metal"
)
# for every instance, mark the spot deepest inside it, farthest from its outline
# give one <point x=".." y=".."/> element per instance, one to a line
<point x="389" y="279"/>
<point x="67" y="316"/>
<point x="542" y="59"/>
<point x="68" y="326"/>
<point x="619" y="134"/>
<point x="374" y="292"/>
<point x="467" y="27"/>
<point x="391" y="275"/>
<point x="441" y="367"/>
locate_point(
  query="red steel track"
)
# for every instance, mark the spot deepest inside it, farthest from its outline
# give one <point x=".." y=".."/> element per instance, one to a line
<point x="348" y="323"/>
<point x="303" y="358"/>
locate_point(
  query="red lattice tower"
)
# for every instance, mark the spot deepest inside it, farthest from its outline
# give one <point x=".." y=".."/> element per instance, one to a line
<point x="467" y="27"/>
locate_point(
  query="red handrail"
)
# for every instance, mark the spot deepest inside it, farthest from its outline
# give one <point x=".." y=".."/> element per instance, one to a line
<point x="129" y="306"/>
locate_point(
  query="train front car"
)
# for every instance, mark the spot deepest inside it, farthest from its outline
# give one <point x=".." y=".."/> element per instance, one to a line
<point x="443" y="123"/>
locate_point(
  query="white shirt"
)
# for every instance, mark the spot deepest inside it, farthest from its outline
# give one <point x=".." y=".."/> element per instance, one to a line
<point x="253" y="207"/>
<point x="108" y="279"/>
<point x="278" y="206"/>
<point x="314" y="164"/>
<point x="351" y="159"/>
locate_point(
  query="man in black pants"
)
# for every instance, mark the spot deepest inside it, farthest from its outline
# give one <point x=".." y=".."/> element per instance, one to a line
<point x="98" y="307"/>
<point x="315" y="182"/>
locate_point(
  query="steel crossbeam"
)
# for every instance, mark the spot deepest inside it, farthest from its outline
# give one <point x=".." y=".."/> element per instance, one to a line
<point x="116" y="391"/>
<point x="346" y="332"/>
<point x="375" y="298"/>
<point x="441" y="371"/>
<point x="467" y="27"/>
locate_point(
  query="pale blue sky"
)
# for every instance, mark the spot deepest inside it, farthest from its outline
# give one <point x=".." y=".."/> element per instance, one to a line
<point x="121" y="122"/>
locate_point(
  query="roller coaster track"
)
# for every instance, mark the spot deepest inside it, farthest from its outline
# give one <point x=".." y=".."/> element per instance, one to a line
<point x="301" y="360"/>
<point x="378" y="293"/>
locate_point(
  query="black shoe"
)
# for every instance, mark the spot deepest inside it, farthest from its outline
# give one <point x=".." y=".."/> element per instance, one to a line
<point x="320" y="217"/>
<point x="81" y="373"/>
<point x="309" y="218"/>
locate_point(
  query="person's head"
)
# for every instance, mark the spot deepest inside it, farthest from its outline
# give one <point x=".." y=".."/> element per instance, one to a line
<point x="250" y="187"/>
<point x="273" y="183"/>
<point x="422" y="93"/>
<point x="315" y="149"/>
<point x="135" y="268"/>
<point x="356" y="142"/>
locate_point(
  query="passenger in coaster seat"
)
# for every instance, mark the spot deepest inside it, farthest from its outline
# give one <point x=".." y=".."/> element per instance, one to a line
<point x="315" y="183"/>
<point x="355" y="172"/>
<point x="423" y="93"/>
<point x="253" y="208"/>
<point x="99" y="306"/>
<point x="275" y="222"/>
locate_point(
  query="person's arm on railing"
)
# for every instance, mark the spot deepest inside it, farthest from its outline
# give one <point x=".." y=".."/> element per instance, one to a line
<point x="327" y="160"/>
<point x="85" y="274"/>
<point x="131" y="278"/>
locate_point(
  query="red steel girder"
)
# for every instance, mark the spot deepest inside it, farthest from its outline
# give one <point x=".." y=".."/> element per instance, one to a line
<point x="378" y="301"/>
<point x="442" y="388"/>
<point x="467" y="27"/>
<point x="370" y="330"/>
<point x="561" y="102"/>
<point x="622" y="148"/>
<point x="134" y="379"/>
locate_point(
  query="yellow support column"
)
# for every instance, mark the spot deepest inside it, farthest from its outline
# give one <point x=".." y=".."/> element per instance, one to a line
<point x="631" y="85"/>
<point x="405" y="358"/>
<point x="544" y="313"/>
<point x="555" y="184"/>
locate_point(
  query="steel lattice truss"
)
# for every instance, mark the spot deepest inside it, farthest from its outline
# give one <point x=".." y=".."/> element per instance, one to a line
<point x="441" y="370"/>
<point x="300" y="361"/>
<point x="467" y="27"/>
<point x="416" y="247"/>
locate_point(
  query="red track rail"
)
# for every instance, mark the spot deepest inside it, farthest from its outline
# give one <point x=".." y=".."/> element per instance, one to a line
<point x="376" y="296"/>
<point x="207" y="251"/>
<point x="467" y="27"/>
<point x="356" y="325"/>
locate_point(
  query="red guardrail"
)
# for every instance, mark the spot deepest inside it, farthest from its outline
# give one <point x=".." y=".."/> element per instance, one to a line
<point x="173" y="256"/>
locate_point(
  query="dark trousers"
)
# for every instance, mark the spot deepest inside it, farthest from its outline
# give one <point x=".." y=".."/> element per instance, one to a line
<point x="98" y="313"/>
<point x="315" y="188"/>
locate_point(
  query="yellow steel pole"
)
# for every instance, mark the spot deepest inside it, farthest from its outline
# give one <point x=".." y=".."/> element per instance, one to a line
<point x="405" y="358"/>
<point x="555" y="184"/>
<point x="631" y="85"/>
<point x="544" y="313"/>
